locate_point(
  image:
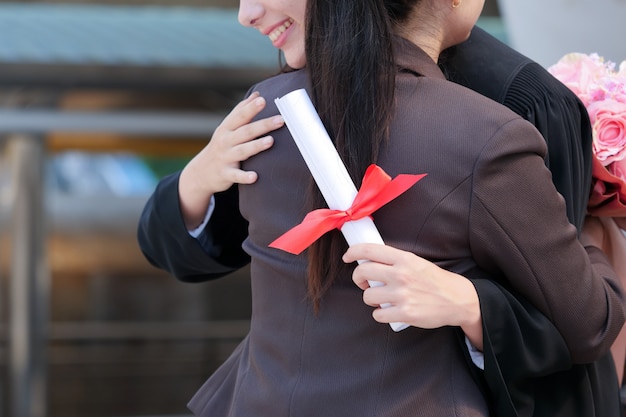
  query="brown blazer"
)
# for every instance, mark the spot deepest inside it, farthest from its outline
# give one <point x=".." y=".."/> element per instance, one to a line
<point x="530" y="370"/>
<point x="487" y="208"/>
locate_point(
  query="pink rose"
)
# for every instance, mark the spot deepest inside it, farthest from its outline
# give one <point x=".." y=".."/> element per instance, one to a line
<point x="608" y="119"/>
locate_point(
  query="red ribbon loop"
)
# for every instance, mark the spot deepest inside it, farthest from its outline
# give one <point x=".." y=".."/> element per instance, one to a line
<point x="376" y="190"/>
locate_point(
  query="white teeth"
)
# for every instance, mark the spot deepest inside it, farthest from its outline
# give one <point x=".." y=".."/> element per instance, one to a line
<point x="279" y="30"/>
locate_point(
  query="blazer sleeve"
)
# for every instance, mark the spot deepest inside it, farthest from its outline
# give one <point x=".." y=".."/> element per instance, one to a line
<point x="166" y="243"/>
<point x="519" y="233"/>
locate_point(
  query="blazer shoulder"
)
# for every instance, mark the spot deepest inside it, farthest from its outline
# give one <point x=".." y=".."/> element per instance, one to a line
<point x="281" y="84"/>
<point x="477" y="106"/>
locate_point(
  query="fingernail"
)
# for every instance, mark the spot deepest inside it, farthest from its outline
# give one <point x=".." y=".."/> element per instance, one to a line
<point x="278" y="120"/>
<point x="259" y="101"/>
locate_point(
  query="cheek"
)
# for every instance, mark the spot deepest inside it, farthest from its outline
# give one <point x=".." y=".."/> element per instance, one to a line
<point x="475" y="12"/>
<point x="295" y="9"/>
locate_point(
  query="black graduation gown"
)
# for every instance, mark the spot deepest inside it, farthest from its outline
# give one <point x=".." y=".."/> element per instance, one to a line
<point x="527" y="366"/>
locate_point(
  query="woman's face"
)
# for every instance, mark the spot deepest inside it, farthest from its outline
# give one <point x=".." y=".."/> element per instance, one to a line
<point x="282" y="21"/>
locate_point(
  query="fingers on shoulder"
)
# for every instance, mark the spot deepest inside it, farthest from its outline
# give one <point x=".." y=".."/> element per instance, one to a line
<point x="244" y="111"/>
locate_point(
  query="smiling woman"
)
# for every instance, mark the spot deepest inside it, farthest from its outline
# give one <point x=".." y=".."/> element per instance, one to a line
<point x="282" y="21"/>
<point x="319" y="342"/>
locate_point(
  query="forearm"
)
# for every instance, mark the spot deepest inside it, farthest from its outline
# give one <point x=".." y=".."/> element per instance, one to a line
<point x="165" y="240"/>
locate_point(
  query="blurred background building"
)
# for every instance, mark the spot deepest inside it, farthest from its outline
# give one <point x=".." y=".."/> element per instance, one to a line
<point x="98" y="100"/>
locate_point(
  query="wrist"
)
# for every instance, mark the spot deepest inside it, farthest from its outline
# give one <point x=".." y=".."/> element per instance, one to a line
<point x="471" y="317"/>
<point x="193" y="199"/>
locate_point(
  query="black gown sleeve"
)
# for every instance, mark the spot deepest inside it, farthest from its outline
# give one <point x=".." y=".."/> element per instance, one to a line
<point x="166" y="243"/>
<point x="528" y="369"/>
<point x="562" y="120"/>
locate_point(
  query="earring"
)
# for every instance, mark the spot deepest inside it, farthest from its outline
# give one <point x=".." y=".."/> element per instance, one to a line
<point x="456" y="4"/>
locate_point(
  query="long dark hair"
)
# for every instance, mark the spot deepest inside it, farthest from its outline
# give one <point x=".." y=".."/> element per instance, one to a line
<point x="350" y="60"/>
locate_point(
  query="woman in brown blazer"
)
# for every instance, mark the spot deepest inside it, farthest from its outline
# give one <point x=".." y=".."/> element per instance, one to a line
<point x="486" y="210"/>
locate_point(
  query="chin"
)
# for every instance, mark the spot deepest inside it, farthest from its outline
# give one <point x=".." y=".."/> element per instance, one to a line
<point x="295" y="63"/>
<point x="295" y="56"/>
<point x="462" y="37"/>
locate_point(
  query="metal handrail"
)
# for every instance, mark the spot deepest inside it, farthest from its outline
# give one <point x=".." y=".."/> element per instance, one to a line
<point x="141" y="123"/>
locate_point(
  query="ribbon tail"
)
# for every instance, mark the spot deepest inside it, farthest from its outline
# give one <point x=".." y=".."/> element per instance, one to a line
<point x="398" y="186"/>
<point x="315" y="225"/>
<point x="379" y="189"/>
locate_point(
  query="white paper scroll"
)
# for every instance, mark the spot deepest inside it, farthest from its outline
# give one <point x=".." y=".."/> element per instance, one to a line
<point x="327" y="168"/>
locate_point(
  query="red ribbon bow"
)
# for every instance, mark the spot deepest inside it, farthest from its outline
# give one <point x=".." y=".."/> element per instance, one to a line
<point x="376" y="190"/>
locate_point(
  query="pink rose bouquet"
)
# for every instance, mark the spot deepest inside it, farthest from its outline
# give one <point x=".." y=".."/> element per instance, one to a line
<point x="602" y="89"/>
<point x="601" y="86"/>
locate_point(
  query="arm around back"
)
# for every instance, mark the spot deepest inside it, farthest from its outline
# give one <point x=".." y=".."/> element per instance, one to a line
<point x="166" y="243"/>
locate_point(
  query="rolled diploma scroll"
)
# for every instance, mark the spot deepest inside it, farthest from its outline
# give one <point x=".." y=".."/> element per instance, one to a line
<point x="327" y="168"/>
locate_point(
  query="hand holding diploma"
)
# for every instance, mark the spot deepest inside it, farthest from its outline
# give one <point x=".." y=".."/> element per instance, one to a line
<point x="349" y="210"/>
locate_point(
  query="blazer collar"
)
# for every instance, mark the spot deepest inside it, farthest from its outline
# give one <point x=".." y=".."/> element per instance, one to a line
<point x="412" y="58"/>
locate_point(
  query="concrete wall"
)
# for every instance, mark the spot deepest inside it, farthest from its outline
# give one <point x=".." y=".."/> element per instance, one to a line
<point x="547" y="30"/>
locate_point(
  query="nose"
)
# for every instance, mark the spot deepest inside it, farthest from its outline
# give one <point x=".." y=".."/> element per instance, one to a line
<point x="250" y="11"/>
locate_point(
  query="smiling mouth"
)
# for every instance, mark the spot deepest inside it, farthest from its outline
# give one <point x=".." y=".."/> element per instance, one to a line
<point x="279" y="30"/>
